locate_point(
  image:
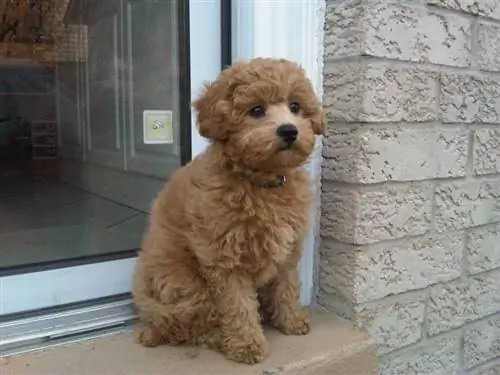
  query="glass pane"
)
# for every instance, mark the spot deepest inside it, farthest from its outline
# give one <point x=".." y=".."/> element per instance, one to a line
<point x="89" y="124"/>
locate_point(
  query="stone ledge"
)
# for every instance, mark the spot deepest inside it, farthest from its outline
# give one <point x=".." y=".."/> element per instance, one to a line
<point x="333" y="347"/>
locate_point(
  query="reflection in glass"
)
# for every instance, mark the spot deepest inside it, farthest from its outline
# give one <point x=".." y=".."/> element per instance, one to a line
<point x="82" y="85"/>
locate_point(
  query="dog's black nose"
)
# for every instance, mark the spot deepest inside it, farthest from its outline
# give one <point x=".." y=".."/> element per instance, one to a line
<point x="287" y="132"/>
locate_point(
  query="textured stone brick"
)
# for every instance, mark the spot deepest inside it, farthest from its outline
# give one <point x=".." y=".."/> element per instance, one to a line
<point x="483" y="249"/>
<point x="393" y="323"/>
<point x="396" y="31"/>
<point x="366" y="92"/>
<point x="359" y="215"/>
<point x="370" y="272"/>
<point x="457" y="302"/>
<point x="435" y="357"/>
<point x="467" y="204"/>
<point x="344" y="29"/>
<point x="482" y="342"/>
<point x="469" y="99"/>
<point x="487" y="151"/>
<point x="410" y="33"/>
<point x="332" y="300"/>
<point x="495" y="370"/>
<point x="486" y="8"/>
<point x="488" y="46"/>
<point x="367" y="155"/>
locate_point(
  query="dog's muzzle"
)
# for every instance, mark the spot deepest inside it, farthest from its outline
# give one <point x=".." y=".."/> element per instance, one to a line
<point x="288" y="133"/>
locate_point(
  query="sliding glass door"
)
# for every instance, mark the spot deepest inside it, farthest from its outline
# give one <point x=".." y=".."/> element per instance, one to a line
<point x="94" y="118"/>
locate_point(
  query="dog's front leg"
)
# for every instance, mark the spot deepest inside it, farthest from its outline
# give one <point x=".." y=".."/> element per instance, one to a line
<point x="281" y="303"/>
<point x="241" y="336"/>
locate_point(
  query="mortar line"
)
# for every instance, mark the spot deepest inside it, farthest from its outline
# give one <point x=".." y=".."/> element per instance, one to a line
<point x="465" y="261"/>
<point x="425" y="323"/>
<point x="372" y="186"/>
<point x="391" y="62"/>
<point x="469" y="170"/>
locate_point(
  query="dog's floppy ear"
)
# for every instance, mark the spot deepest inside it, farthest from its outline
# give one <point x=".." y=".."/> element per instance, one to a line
<point x="213" y="108"/>
<point x="318" y="122"/>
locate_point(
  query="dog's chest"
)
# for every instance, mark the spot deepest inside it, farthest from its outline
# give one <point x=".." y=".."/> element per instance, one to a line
<point x="269" y="231"/>
<point x="270" y="235"/>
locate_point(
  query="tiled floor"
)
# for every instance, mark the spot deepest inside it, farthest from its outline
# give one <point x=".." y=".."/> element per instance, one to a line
<point x="45" y="220"/>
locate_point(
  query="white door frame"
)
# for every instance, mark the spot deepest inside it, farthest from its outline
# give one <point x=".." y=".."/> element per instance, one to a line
<point x="291" y="29"/>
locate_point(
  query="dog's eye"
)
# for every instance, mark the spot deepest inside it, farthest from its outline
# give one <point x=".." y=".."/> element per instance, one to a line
<point x="294" y="107"/>
<point x="257" y="111"/>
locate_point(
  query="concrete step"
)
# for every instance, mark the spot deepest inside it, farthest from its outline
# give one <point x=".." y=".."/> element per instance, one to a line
<point x="333" y="347"/>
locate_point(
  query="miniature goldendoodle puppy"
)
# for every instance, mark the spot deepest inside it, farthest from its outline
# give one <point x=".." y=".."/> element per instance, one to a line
<point x="226" y="232"/>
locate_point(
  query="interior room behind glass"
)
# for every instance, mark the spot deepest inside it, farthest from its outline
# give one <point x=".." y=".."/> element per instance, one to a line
<point x="78" y="79"/>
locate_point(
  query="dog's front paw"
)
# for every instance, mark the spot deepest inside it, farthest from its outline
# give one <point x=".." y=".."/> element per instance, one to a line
<point x="148" y="335"/>
<point x="296" y="323"/>
<point x="248" y="350"/>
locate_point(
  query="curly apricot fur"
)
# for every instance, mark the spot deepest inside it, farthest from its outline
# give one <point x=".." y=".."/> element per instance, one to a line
<point x="221" y="252"/>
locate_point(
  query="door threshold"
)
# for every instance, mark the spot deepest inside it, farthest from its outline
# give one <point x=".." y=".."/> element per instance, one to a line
<point x="25" y="335"/>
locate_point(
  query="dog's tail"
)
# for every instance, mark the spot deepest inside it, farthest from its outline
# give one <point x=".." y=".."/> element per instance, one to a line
<point x="149" y="308"/>
<point x="165" y="317"/>
<point x="162" y="316"/>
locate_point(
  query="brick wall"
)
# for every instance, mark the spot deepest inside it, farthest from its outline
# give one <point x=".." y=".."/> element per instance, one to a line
<point x="410" y="220"/>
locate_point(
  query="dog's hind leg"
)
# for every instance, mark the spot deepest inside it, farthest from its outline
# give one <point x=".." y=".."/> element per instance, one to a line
<point x="170" y="302"/>
<point x="173" y="325"/>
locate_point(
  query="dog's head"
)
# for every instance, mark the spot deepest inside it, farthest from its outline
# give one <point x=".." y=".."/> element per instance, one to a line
<point x="263" y="112"/>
